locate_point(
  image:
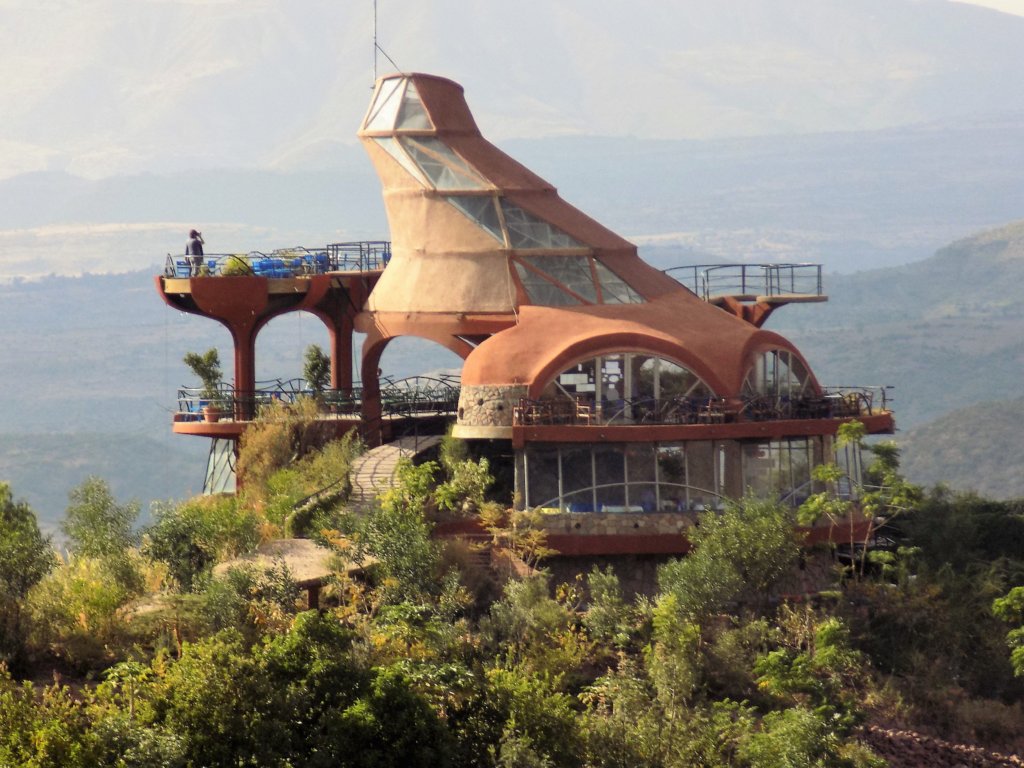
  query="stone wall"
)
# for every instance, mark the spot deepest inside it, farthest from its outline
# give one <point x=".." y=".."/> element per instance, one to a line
<point x="489" y="405"/>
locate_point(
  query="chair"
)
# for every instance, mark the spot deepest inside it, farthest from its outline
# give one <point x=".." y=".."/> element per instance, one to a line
<point x="712" y="412"/>
<point x="584" y="411"/>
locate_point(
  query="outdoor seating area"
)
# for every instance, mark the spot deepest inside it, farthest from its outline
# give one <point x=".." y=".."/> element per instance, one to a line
<point x="364" y="256"/>
<point x="831" y="404"/>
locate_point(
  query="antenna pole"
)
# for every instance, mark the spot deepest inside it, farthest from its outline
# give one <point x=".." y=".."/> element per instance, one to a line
<point x="375" y="41"/>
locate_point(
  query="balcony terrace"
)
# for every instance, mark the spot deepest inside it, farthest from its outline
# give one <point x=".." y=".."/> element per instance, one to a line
<point x="832" y="403"/>
<point x="365" y="256"/>
<point x="412" y="397"/>
<point x="752" y="291"/>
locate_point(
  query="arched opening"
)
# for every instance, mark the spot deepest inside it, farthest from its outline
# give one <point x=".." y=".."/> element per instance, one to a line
<point x="281" y="353"/>
<point x="620" y="387"/>
<point x="409" y="356"/>
<point x="777" y="373"/>
<point x="777" y="386"/>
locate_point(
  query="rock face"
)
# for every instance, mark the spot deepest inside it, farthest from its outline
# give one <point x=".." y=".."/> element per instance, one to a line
<point x="906" y="749"/>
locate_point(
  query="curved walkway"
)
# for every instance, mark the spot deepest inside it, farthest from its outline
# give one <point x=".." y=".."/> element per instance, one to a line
<point x="373" y="472"/>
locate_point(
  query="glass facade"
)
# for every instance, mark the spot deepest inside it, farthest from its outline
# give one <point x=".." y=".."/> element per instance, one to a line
<point x="580" y="278"/>
<point x="636" y="477"/>
<point x="632" y="388"/>
<point x="669" y="477"/>
<point x="777" y="373"/>
<point x="782" y="468"/>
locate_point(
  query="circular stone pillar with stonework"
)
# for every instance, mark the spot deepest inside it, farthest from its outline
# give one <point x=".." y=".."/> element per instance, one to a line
<point x="487" y="410"/>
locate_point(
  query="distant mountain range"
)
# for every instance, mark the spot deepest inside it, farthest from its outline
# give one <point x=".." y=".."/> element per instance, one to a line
<point x="851" y="201"/>
<point x="978" y="448"/>
<point x="854" y="134"/>
<point x="948" y="333"/>
<point x="115" y="87"/>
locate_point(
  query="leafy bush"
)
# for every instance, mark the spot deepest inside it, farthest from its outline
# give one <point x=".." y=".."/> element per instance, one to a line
<point x="25" y="557"/>
<point x="77" y="613"/>
<point x="190" y="537"/>
<point x="738" y="555"/>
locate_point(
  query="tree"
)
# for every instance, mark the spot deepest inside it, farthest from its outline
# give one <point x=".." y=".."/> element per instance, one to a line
<point x="881" y="494"/>
<point x="738" y="555"/>
<point x="398" y="535"/>
<point x="317" y="369"/>
<point x="25" y="557"/>
<point x="190" y="537"/>
<point x="1010" y="608"/>
<point x="95" y="524"/>
<point x="98" y="527"/>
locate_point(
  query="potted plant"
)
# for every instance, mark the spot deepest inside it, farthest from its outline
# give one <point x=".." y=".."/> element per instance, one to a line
<point x="206" y="367"/>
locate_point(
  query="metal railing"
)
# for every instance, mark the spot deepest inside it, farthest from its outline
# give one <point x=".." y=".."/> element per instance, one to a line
<point x="710" y="281"/>
<point x="409" y="397"/>
<point x="636" y="496"/>
<point x="363" y="256"/>
<point x="832" y="403"/>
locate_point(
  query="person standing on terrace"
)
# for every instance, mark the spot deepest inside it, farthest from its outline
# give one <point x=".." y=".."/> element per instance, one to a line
<point x="194" y="249"/>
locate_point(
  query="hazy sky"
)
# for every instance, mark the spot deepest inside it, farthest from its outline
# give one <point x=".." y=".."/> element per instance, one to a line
<point x="1006" y="6"/>
<point x="127" y="86"/>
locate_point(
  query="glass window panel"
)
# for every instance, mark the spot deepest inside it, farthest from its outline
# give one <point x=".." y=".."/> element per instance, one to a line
<point x="578" y="479"/>
<point x="672" y="482"/>
<point x="575" y="387"/>
<point x="613" y="401"/>
<point x="640" y="476"/>
<point x="644" y="377"/>
<point x="799" y="376"/>
<point x="572" y="271"/>
<point x="392" y="147"/>
<point x="777" y="374"/>
<point x="610" y="471"/>
<point x="800" y="461"/>
<point x="780" y="469"/>
<point x="481" y="211"/>
<point x="528" y="231"/>
<point x="543" y="292"/>
<point x="675" y="381"/>
<point x="542" y="477"/>
<point x="640" y="462"/>
<point x="385" y="106"/>
<point x="613" y="289"/>
<point x="412" y="115"/>
<point x="442" y="166"/>
<point x="700" y="464"/>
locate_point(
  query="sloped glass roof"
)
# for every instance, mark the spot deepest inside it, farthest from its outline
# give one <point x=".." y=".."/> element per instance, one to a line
<point x="615" y="290"/>
<point x="392" y="147"/>
<point x="482" y="211"/>
<point x="541" y="291"/>
<point x="444" y="168"/>
<point x="528" y="231"/>
<point x="385" y="107"/>
<point x="412" y="115"/>
<point x="571" y="271"/>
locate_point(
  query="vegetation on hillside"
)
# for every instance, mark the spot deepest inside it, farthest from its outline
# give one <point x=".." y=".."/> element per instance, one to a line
<point x="130" y="650"/>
